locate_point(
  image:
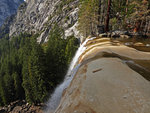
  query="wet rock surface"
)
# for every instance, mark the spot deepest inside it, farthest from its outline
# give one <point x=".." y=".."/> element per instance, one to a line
<point x="113" y="78"/>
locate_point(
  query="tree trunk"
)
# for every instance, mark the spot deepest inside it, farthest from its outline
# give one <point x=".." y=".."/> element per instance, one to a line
<point x="107" y="17"/>
<point x="127" y="2"/>
<point x="99" y="12"/>
<point x="148" y="4"/>
<point x="137" y="26"/>
<point x="99" y="16"/>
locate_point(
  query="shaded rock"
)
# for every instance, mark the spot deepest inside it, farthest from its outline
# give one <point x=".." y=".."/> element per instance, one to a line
<point x="22" y="107"/>
<point x="103" y="35"/>
<point x="2" y="110"/>
<point x="128" y="43"/>
<point x="116" y="34"/>
<point x="101" y="29"/>
<point x="124" y="36"/>
<point x="7" y="10"/>
<point x="120" y="34"/>
<point x="148" y="45"/>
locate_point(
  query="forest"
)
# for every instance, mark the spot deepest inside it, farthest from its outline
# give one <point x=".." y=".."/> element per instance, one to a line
<point x="99" y="16"/>
<point x="31" y="71"/>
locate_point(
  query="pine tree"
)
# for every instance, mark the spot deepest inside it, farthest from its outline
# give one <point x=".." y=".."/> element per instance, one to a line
<point x="19" y="92"/>
<point x="88" y="18"/>
<point x="3" y="92"/>
<point x="24" y="58"/>
<point x="108" y="16"/>
<point x="36" y="72"/>
<point x="9" y="87"/>
<point x="148" y="4"/>
<point x="26" y="83"/>
<point x="71" y="47"/>
<point x="56" y="56"/>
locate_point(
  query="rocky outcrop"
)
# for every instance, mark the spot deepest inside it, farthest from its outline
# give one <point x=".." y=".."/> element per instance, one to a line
<point x="112" y="78"/>
<point x="4" y="29"/>
<point x="117" y="34"/>
<point x="22" y="107"/>
<point x="7" y="8"/>
<point x="38" y="16"/>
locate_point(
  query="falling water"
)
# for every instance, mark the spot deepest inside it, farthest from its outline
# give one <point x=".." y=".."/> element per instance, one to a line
<point x="81" y="49"/>
<point x="56" y="96"/>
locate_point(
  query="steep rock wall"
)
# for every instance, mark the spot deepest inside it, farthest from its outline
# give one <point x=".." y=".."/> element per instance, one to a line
<point x="38" y="16"/>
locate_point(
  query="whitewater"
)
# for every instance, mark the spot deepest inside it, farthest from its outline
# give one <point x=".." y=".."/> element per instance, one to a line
<point x="55" y="98"/>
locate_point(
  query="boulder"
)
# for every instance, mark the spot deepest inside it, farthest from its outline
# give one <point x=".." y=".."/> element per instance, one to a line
<point x="2" y="110"/>
<point x="120" y="32"/>
<point x="139" y="44"/>
<point x="22" y="107"/>
<point x="124" y="36"/>
<point x="103" y="35"/>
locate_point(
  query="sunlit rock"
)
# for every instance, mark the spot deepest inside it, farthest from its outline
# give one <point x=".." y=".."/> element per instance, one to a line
<point x="112" y="78"/>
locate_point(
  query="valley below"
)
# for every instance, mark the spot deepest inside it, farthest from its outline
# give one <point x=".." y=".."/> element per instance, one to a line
<point x="113" y="76"/>
<point x="74" y="56"/>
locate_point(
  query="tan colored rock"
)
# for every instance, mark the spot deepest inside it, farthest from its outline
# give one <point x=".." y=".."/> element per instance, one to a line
<point x="102" y="35"/>
<point x="121" y="50"/>
<point x="139" y="44"/>
<point x="124" y="36"/>
<point x="106" y="85"/>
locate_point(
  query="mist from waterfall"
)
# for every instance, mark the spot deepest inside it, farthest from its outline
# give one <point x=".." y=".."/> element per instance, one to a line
<point x="55" y="98"/>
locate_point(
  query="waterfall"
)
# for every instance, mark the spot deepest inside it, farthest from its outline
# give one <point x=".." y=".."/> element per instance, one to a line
<point x="54" y="101"/>
<point x="80" y="50"/>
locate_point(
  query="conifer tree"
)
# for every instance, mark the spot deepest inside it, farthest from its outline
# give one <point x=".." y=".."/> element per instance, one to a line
<point x="56" y="56"/>
<point x="88" y="18"/>
<point x="9" y="87"/>
<point x="70" y="48"/>
<point x="3" y="92"/>
<point x="36" y="73"/>
<point x="108" y="16"/>
<point x="19" y="92"/>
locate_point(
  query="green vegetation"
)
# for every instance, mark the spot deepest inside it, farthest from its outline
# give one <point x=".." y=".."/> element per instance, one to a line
<point x="31" y="71"/>
<point x="112" y="15"/>
<point x="88" y="17"/>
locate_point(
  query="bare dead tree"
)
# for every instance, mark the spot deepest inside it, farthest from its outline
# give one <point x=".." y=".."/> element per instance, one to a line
<point x="108" y="17"/>
<point x="148" y="4"/>
<point x="127" y="2"/>
<point x="99" y="11"/>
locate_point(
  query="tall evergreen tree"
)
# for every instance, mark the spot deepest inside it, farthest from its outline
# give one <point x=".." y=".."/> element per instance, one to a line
<point x="36" y="73"/>
<point x="88" y="18"/>
<point x="9" y="87"/>
<point x="19" y="92"/>
<point x="108" y="16"/>
<point x="3" y="92"/>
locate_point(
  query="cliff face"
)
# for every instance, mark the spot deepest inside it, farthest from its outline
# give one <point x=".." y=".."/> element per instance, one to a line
<point x="7" y="8"/>
<point x="38" y="16"/>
